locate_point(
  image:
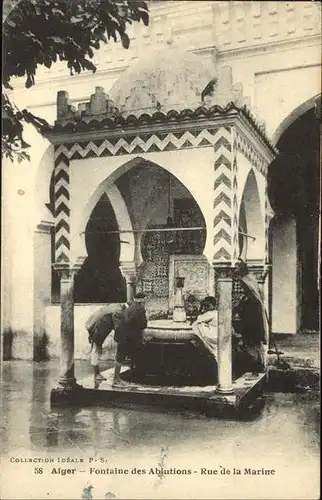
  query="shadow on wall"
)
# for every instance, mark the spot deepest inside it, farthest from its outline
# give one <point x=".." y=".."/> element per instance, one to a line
<point x="7" y="339"/>
<point x="40" y="347"/>
<point x="41" y="342"/>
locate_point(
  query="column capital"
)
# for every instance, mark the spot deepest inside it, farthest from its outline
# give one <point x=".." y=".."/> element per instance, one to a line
<point x="128" y="269"/>
<point x="129" y="272"/>
<point x="67" y="271"/>
<point x="224" y="270"/>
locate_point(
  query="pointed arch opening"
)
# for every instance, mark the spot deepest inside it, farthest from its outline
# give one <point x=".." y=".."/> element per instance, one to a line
<point x="251" y="222"/>
<point x="155" y="202"/>
<point x="294" y="193"/>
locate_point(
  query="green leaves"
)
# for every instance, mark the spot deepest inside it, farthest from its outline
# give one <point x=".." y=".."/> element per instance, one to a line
<point x="12" y="143"/>
<point x="40" y="32"/>
<point x="88" y="65"/>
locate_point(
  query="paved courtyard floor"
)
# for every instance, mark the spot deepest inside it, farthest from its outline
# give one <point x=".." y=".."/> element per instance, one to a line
<point x="136" y="452"/>
<point x="301" y="350"/>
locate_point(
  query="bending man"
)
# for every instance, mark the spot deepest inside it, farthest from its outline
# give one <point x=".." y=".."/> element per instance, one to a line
<point x="99" y="325"/>
<point x="129" y="336"/>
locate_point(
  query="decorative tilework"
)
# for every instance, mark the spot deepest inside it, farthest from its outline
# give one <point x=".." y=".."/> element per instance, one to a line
<point x="235" y="225"/>
<point x="252" y="154"/>
<point x="62" y="208"/>
<point x="137" y="144"/>
<point x="223" y="196"/>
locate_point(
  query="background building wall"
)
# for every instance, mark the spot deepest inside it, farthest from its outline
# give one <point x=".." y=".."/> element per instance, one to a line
<point x="284" y="271"/>
<point x="268" y="45"/>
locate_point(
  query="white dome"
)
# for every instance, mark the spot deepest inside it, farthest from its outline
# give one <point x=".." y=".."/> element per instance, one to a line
<point x="162" y="80"/>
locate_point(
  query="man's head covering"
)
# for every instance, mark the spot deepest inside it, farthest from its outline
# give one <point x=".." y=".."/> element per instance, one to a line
<point x="210" y="300"/>
<point x="241" y="268"/>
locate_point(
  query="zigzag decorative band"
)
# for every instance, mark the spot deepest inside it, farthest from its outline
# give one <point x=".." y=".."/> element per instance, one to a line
<point x="223" y="196"/>
<point x="146" y="143"/>
<point x="235" y="211"/>
<point x="225" y="204"/>
<point x="62" y="208"/>
<point x="243" y="145"/>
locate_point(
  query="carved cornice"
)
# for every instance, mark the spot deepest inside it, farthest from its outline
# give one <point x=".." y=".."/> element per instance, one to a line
<point x="119" y="122"/>
<point x="249" y="142"/>
<point x="104" y="126"/>
<point x="251" y="152"/>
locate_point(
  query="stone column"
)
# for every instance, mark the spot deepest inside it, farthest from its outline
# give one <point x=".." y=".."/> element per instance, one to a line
<point x="223" y="276"/>
<point x="67" y="384"/>
<point x="130" y="290"/>
<point x="67" y="371"/>
<point x="128" y="270"/>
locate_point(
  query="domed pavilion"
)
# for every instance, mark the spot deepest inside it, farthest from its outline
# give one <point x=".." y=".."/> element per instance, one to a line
<point x="164" y="176"/>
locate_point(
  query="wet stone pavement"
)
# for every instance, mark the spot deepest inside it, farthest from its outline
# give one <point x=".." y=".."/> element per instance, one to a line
<point x="179" y="454"/>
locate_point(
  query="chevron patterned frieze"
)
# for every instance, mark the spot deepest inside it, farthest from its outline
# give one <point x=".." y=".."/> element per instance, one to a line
<point x="62" y="206"/>
<point x="146" y="143"/>
<point x="235" y="209"/>
<point x="223" y="196"/>
<point x="249" y="151"/>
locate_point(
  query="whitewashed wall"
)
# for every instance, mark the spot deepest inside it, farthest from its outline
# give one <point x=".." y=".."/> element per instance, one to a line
<point x="284" y="277"/>
<point x="82" y="346"/>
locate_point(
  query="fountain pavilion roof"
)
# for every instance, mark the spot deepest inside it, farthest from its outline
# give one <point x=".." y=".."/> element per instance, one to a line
<point x="167" y="86"/>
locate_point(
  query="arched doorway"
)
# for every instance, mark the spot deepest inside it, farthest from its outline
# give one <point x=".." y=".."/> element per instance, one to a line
<point x="155" y="202"/>
<point x="251" y="222"/>
<point x="294" y="192"/>
<point x="158" y="203"/>
<point x="100" y="279"/>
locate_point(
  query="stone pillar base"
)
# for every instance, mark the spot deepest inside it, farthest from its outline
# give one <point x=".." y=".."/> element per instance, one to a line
<point x="71" y="395"/>
<point x="224" y="391"/>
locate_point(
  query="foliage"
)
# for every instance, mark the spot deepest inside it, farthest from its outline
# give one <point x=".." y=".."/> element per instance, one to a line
<point x="192" y="306"/>
<point x="41" y="32"/>
<point x="153" y="316"/>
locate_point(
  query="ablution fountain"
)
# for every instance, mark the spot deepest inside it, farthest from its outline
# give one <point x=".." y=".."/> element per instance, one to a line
<point x="173" y="353"/>
<point x="177" y="327"/>
<point x="176" y="371"/>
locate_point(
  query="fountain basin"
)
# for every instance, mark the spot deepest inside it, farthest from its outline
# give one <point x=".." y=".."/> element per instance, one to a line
<point x="174" y="355"/>
<point x="167" y="329"/>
